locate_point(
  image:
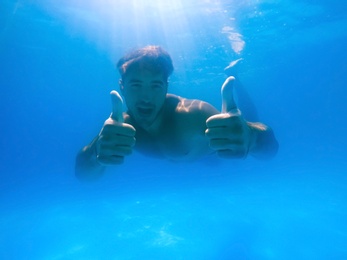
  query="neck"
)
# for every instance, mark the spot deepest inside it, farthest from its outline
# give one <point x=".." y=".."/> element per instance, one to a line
<point x="153" y="128"/>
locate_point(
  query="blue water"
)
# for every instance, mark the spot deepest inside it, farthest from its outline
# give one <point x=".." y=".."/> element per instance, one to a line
<point x="57" y="68"/>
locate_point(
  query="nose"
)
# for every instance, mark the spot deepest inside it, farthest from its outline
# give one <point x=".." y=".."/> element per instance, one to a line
<point x="146" y="94"/>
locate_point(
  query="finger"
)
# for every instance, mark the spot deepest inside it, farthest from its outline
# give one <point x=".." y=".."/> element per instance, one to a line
<point x="223" y="120"/>
<point x="117" y="140"/>
<point x="119" y="129"/>
<point x="118" y="150"/>
<point x="224" y="132"/>
<point x="110" y="160"/>
<point x="117" y="107"/>
<point x="228" y="101"/>
<point x="224" y="144"/>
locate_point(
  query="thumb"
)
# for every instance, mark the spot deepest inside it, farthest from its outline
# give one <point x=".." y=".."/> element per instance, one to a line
<point x="117" y="107"/>
<point x="228" y="102"/>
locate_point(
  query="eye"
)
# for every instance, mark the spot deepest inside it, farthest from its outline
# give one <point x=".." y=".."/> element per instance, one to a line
<point x="135" y="85"/>
<point x="157" y="86"/>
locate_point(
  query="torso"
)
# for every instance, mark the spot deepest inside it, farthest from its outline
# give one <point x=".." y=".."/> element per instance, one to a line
<point x="180" y="136"/>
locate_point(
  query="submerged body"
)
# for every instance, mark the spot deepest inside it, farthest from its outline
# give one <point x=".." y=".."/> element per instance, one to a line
<point x="168" y="126"/>
<point x="179" y="134"/>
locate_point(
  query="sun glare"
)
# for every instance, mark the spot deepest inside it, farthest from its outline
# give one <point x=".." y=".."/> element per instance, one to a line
<point x="116" y="24"/>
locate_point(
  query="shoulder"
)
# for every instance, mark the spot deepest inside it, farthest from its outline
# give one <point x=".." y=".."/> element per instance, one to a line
<point x="192" y="108"/>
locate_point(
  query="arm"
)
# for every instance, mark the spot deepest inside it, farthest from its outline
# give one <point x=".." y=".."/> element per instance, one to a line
<point x="115" y="141"/>
<point x="231" y="136"/>
<point x="87" y="166"/>
<point x="264" y="144"/>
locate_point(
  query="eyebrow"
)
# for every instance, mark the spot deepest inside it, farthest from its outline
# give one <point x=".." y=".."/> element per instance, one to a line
<point x="135" y="81"/>
<point x="158" y="81"/>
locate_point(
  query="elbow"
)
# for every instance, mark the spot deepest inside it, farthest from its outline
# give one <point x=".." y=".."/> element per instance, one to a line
<point x="266" y="147"/>
<point x="87" y="170"/>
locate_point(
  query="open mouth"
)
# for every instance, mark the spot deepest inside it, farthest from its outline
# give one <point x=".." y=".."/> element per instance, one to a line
<point x="145" y="111"/>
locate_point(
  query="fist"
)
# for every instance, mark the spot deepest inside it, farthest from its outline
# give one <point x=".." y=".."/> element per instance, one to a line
<point x="229" y="135"/>
<point x="116" y="139"/>
<point x="228" y="132"/>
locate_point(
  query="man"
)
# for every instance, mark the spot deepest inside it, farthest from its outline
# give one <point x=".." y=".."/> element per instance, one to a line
<point x="168" y="126"/>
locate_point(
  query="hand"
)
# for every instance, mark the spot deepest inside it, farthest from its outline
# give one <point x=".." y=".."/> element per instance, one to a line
<point x="116" y="138"/>
<point x="228" y="132"/>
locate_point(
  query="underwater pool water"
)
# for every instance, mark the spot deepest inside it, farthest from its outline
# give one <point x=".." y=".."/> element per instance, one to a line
<point x="57" y="69"/>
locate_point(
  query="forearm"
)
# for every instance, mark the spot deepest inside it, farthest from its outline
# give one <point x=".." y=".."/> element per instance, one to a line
<point x="87" y="167"/>
<point x="264" y="144"/>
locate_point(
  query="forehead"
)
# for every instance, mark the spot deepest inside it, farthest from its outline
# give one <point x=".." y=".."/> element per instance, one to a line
<point x="143" y="75"/>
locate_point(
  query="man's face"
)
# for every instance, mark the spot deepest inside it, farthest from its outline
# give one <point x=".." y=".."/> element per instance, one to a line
<point x="144" y="92"/>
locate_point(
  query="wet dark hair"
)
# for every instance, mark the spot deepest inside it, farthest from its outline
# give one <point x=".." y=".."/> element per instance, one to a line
<point x="153" y="58"/>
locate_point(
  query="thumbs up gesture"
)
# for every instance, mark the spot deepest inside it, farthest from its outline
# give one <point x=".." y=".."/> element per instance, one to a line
<point x="116" y="138"/>
<point x="228" y="132"/>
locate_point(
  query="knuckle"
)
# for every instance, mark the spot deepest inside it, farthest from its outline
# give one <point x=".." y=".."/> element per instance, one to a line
<point x="110" y="160"/>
